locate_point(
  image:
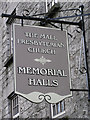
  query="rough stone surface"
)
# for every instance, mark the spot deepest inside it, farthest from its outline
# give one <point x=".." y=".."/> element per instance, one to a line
<point x="76" y="106"/>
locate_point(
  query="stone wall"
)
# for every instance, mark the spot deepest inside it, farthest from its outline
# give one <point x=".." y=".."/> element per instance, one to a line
<point x="0" y="68"/>
<point x="27" y="109"/>
<point x="76" y="106"/>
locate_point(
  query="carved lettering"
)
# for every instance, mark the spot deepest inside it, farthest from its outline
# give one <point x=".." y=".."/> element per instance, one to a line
<point x="41" y="71"/>
<point x="42" y="82"/>
<point x="31" y="35"/>
<point x="40" y="43"/>
<point x="41" y="51"/>
<point x="48" y="37"/>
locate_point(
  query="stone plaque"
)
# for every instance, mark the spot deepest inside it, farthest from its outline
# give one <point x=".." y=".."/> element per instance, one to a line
<point x="41" y="63"/>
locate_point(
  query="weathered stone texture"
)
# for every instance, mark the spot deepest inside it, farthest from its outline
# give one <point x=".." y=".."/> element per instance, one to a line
<point x="32" y="110"/>
<point x="77" y="106"/>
